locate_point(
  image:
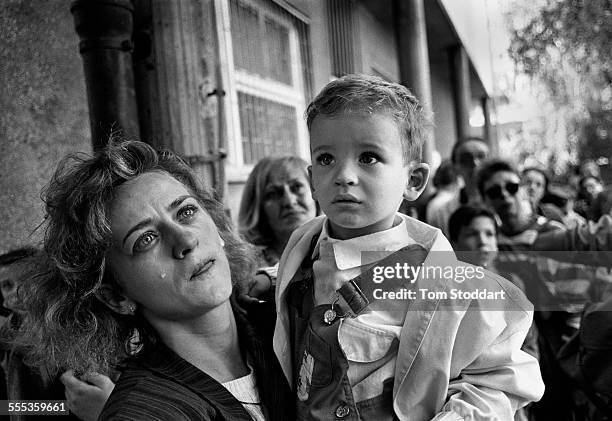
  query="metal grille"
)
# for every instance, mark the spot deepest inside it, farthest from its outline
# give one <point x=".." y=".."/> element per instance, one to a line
<point x="246" y="40"/>
<point x="341" y="31"/>
<point x="268" y="128"/>
<point x="306" y="53"/>
<point x="261" y="44"/>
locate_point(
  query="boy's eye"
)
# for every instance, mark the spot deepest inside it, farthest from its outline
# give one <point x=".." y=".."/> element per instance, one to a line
<point x="187" y="212"/>
<point x="144" y="242"/>
<point x="369" y="158"/>
<point x="325" y="159"/>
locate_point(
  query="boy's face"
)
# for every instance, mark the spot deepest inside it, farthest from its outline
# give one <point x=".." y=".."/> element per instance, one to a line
<point x="479" y="239"/>
<point x="358" y="173"/>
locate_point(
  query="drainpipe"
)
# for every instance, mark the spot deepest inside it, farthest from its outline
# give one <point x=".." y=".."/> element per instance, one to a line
<point x="413" y="55"/>
<point x="105" y="30"/>
<point x="460" y="74"/>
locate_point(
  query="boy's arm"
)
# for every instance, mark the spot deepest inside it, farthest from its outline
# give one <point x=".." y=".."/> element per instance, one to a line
<point x="500" y="381"/>
<point x="501" y="378"/>
<point x="469" y="363"/>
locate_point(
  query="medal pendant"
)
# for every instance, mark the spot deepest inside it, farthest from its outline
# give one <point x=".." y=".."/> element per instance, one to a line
<point x="329" y="316"/>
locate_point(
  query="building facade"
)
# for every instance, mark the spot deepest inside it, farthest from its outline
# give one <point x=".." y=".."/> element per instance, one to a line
<point x="224" y="83"/>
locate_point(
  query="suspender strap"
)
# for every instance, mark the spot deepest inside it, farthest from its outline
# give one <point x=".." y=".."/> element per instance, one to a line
<point x="358" y="293"/>
<point x="354" y="297"/>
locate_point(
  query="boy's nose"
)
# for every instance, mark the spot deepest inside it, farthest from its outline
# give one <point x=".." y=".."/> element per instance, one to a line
<point x="345" y="174"/>
<point x="184" y="242"/>
<point x="482" y="239"/>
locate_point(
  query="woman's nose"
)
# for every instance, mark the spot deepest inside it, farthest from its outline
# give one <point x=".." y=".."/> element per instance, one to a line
<point x="185" y="242"/>
<point x="289" y="198"/>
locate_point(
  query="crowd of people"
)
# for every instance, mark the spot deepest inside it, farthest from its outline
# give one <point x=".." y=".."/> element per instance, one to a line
<point x="145" y="303"/>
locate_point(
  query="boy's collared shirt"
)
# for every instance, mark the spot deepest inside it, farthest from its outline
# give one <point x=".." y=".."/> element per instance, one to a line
<point x="348" y="253"/>
<point x="369" y="341"/>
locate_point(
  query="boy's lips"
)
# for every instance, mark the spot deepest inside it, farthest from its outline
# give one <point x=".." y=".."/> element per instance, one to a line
<point x="345" y="198"/>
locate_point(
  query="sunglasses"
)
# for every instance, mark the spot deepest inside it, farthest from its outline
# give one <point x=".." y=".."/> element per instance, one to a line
<point x="497" y="191"/>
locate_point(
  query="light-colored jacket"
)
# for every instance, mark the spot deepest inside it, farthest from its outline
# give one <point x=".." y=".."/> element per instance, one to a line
<point x="453" y="364"/>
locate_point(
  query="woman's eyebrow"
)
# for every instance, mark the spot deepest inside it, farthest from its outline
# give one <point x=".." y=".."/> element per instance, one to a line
<point x="136" y="227"/>
<point x="176" y="202"/>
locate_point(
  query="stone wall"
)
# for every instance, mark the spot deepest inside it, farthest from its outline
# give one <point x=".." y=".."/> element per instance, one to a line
<point x="43" y="109"/>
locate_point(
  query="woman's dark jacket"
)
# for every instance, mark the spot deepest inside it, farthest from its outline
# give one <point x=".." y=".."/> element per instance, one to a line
<point x="160" y="385"/>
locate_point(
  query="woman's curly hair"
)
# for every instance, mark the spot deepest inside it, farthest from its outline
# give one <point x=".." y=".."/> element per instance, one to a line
<point x="67" y="325"/>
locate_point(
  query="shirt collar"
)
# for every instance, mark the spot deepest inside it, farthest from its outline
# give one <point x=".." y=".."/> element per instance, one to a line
<point x="348" y="253"/>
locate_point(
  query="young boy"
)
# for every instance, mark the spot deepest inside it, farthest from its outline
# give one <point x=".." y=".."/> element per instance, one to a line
<point x="350" y="356"/>
<point x="473" y="233"/>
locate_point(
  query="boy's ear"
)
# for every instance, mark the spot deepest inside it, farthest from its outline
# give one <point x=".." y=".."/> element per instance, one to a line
<point x="312" y="190"/>
<point x="116" y="301"/>
<point x="418" y="174"/>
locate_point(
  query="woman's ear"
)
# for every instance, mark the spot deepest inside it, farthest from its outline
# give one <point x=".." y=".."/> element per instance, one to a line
<point x="418" y="174"/>
<point x="116" y="301"/>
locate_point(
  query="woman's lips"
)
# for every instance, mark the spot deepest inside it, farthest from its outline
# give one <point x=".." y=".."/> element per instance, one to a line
<point x="202" y="267"/>
<point x="292" y="214"/>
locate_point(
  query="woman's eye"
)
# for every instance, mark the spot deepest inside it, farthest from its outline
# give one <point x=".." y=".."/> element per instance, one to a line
<point x="325" y="159"/>
<point x="297" y="187"/>
<point x="272" y="195"/>
<point x="187" y="212"/>
<point x="144" y="242"/>
<point x="369" y="158"/>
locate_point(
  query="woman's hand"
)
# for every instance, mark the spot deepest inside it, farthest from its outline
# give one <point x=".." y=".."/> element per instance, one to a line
<point x="87" y="396"/>
<point x="253" y="292"/>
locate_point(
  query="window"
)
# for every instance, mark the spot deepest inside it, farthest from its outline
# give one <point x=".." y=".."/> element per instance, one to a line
<point x="266" y="57"/>
<point x="341" y="36"/>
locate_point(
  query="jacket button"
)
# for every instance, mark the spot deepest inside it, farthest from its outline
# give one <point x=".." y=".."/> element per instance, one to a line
<point x="342" y="411"/>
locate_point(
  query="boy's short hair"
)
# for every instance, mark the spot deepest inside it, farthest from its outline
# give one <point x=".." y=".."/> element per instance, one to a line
<point x="491" y="167"/>
<point x="368" y="95"/>
<point x="463" y="216"/>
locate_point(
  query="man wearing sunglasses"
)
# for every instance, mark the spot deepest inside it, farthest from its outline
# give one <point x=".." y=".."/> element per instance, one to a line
<point x="548" y="284"/>
<point x="499" y="183"/>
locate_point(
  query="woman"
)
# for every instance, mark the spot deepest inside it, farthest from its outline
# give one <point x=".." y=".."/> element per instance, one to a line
<point x="535" y="181"/>
<point x="275" y="201"/>
<point x="590" y="186"/>
<point x="144" y="262"/>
